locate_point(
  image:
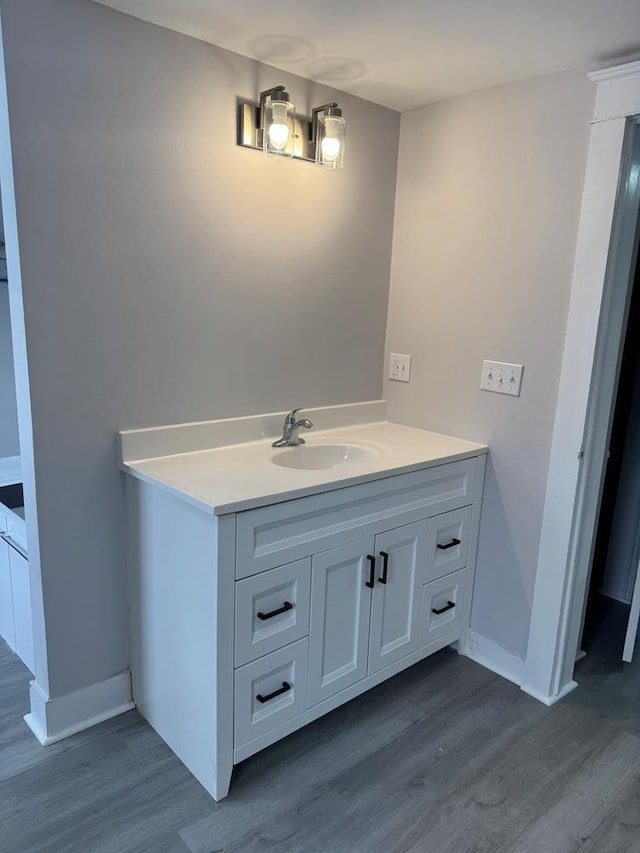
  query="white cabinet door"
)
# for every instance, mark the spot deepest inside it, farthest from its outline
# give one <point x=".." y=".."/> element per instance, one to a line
<point x="397" y="601"/>
<point x="22" y="607"/>
<point x="340" y="610"/>
<point x="7" y="631"/>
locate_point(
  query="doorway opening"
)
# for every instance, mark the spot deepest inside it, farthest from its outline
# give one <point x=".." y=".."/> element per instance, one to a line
<point x="609" y="632"/>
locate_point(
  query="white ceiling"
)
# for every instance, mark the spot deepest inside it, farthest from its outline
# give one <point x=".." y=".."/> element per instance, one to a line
<point x="409" y="52"/>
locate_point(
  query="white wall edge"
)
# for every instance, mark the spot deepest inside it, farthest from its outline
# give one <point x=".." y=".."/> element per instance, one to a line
<point x="52" y="720"/>
<point x="155" y="442"/>
<point x="547" y="698"/>
<point x="493" y="656"/>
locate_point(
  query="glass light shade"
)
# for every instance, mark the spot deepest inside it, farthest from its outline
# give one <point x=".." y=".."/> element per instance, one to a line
<point x="330" y="141"/>
<point x="278" y="125"/>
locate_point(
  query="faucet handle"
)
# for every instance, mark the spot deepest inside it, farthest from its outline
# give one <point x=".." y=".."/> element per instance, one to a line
<point x="291" y="417"/>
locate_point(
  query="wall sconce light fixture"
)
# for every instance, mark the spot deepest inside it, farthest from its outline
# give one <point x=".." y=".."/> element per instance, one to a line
<point x="277" y="122"/>
<point x="327" y="134"/>
<point x="273" y="127"/>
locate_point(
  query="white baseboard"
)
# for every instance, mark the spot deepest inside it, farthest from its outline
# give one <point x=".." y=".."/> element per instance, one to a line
<point x="548" y="699"/>
<point x="52" y="720"/>
<point x="493" y="656"/>
<point x="608" y="594"/>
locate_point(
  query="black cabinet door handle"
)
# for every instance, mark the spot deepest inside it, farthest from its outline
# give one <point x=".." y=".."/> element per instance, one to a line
<point x="286" y="606"/>
<point x="451" y="544"/>
<point x="285" y="686"/>
<point x="385" y="566"/>
<point x="450" y="605"/>
<point x="372" y="571"/>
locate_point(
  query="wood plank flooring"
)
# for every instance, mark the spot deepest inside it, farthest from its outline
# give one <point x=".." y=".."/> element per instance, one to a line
<point x="444" y="758"/>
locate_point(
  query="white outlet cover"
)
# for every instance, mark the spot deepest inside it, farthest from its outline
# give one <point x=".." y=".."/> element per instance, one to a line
<point x="399" y="367"/>
<point x="501" y="377"/>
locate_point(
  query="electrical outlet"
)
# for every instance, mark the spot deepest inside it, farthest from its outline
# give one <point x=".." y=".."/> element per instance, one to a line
<point x="501" y="377"/>
<point x="400" y="367"/>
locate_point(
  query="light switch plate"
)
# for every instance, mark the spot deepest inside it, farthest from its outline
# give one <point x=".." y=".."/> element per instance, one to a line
<point x="501" y="377"/>
<point x="399" y="367"/>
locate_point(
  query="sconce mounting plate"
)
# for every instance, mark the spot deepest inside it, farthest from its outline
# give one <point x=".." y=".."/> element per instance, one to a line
<point x="249" y="135"/>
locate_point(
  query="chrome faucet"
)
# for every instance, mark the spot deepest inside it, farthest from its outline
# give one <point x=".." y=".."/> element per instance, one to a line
<point x="290" y="429"/>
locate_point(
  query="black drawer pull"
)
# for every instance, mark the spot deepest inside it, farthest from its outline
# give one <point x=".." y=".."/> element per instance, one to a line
<point x="450" y="605"/>
<point x="451" y="544"/>
<point x="372" y="571"/>
<point x="285" y="686"/>
<point x="286" y="606"/>
<point x="385" y="566"/>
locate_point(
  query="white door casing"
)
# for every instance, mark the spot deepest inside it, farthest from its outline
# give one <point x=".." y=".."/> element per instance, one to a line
<point x="588" y="375"/>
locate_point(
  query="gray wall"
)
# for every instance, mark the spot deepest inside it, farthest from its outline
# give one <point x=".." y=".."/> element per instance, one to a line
<point x="9" y="443"/>
<point x="169" y="275"/>
<point x="488" y="200"/>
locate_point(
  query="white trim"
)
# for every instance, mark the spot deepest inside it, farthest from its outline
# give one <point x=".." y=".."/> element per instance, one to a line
<point x="614" y="597"/>
<point x="554" y="577"/>
<point x="617" y="92"/>
<point x="52" y="720"/>
<point x="616" y="72"/>
<point x="156" y="442"/>
<point x="494" y="656"/>
<point x="548" y="699"/>
<point x="573" y="484"/>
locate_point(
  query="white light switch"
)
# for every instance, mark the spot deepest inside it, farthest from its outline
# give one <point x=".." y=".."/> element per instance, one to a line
<point x="400" y="367"/>
<point x="501" y="377"/>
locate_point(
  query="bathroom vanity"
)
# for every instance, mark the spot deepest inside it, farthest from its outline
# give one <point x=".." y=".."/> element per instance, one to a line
<point x="16" y="626"/>
<point x="269" y="586"/>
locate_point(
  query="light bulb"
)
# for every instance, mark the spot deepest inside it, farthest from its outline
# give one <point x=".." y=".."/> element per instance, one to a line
<point x="330" y="149"/>
<point x="278" y="129"/>
<point x="278" y="136"/>
<point x="330" y="144"/>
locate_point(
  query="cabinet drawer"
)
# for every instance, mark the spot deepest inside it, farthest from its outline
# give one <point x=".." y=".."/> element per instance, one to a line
<point x="446" y="595"/>
<point x="273" y="535"/>
<point x="447" y="543"/>
<point x="269" y="691"/>
<point x="272" y="609"/>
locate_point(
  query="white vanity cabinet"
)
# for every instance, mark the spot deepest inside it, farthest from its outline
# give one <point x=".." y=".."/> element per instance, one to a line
<point x="15" y="592"/>
<point x="366" y="606"/>
<point x="248" y="625"/>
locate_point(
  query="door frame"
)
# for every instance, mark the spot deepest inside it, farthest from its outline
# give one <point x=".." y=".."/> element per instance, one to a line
<point x="607" y="241"/>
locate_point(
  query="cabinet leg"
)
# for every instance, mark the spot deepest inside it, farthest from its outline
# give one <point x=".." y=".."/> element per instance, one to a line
<point x="223" y="781"/>
<point x="459" y="646"/>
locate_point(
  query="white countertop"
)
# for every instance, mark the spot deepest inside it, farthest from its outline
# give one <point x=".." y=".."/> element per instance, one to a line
<point x="242" y="476"/>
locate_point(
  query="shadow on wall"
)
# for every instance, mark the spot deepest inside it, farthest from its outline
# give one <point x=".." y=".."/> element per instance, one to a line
<point x="499" y="583"/>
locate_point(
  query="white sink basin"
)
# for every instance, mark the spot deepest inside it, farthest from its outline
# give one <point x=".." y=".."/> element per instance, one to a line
<point x="322" y="456"/>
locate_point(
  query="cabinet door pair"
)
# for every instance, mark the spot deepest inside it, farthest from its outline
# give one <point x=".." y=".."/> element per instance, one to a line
<point x="355" y="629"/>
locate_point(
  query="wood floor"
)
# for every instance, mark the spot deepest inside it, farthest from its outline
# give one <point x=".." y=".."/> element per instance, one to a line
<point x="444" y="758"/>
